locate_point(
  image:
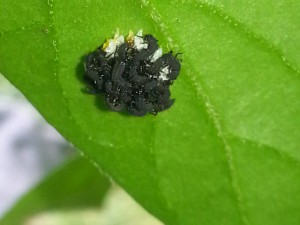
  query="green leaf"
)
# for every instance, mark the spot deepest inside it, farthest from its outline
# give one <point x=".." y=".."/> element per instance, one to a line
<point x="76" y="185"/>
<point x="227" y="152"/>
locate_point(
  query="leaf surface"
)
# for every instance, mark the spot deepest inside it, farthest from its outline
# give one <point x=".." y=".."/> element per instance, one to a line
<point x="227" y="152"/>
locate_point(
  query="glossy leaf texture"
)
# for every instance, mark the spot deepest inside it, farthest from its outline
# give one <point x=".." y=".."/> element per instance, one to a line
<point x="227" y="152"/>
<point x="63" y="191"/>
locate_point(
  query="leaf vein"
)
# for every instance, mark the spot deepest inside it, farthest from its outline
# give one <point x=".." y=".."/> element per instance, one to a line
<point x="157" y="18"/>
<point x="281" y="153"/>
<point x="242" y="28"/>
<point x="56" y="72"/>
<point x="227" y="149"/>
<point x="154" y="162"/>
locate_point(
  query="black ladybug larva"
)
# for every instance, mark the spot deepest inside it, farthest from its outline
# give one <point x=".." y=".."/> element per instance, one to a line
<point x="132" y="74"/>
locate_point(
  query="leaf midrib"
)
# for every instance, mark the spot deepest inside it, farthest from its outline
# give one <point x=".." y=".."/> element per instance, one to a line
<point x="198" y="89"/>
<point x="200" y="93"/>
<point x="257" y="39"/>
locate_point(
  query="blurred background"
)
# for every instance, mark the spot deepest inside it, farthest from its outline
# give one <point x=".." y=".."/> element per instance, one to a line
<point x="37" y="182"/>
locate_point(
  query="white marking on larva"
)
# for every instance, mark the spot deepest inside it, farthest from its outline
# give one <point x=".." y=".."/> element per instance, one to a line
<point x="111" y="48"/>
<point x="139" y="41"/>
<point x="139" y="33"/>
<point x="120" y="40"/>
<point x="157" y="54"/>
<point x="111" y="45"/>
<point x="163" y="73"/>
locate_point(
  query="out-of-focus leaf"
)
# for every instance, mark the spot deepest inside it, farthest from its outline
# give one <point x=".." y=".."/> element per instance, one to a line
<point x="76" y="185"/>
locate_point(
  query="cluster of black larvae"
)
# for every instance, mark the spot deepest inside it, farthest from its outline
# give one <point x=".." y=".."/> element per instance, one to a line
<point x="132" y="74"/>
